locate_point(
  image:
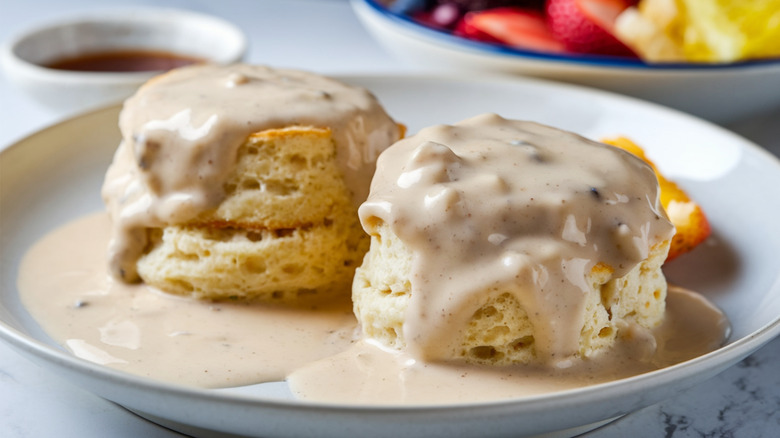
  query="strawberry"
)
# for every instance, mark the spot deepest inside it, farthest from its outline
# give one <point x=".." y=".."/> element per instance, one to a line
<point x="517" y="27"/>
<point x="465" y="29"/>
<point x="585" y="26"/>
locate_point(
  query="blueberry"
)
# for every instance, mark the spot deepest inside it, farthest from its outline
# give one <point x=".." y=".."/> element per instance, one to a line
<point x="408" y="7"/>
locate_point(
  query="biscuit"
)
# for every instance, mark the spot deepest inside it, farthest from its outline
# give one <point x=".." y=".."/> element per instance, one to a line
<point x="500" y="332"/>
<point x="286" y="229"/>
<point x="502" y="241"/>
<point x="242" y="153"/>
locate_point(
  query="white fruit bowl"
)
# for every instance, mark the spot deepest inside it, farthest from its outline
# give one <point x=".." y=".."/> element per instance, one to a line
<point x="718" y="92"/>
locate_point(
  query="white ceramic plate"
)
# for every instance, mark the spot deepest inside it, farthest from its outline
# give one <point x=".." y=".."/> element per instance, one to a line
<point x="716" y="92"/>
<point x="55" y="175"/>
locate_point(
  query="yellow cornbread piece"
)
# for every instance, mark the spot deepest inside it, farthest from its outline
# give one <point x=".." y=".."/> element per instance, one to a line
<point x="686" y="215"/>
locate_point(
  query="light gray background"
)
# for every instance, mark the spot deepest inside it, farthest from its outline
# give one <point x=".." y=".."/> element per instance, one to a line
<point x="744" y="401"/>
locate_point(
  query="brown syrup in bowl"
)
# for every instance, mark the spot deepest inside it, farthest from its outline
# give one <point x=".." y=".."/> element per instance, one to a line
<point x="130" y="60"/>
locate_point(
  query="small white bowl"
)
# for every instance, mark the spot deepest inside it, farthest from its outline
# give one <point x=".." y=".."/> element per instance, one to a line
<point x="718" y="92"/>
<point x="166" y="30"/>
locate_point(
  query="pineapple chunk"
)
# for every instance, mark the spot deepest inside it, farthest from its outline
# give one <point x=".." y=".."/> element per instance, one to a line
<point x="701" y="30"/>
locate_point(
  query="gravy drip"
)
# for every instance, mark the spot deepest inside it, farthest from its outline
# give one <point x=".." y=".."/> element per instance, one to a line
<point x="181" y="132"/>
<point x="496" y="205"/>
<point x="134" y="328"/>
<point x="692" y="327"/>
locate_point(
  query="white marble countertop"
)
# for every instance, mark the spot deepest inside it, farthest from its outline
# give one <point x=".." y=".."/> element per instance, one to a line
<point x="743" y="401"/>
